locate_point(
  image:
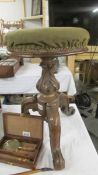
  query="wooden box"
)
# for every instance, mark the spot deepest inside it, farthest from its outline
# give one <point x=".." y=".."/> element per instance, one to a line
<point x="8" y="68"/>
<point x="22" y="140"/>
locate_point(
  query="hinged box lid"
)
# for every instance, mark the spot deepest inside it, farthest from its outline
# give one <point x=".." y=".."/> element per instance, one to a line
<point x="26" y="125"/>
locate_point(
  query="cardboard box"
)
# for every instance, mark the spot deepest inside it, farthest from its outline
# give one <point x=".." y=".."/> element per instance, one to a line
<point x="22" y="140"/>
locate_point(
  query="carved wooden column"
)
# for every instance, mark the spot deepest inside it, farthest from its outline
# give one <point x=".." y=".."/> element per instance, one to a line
<point x="48" y="104"/>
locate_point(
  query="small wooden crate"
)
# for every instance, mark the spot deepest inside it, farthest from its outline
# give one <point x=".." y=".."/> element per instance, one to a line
<point x="28" y="131"/>
<point x="8" y="68"/>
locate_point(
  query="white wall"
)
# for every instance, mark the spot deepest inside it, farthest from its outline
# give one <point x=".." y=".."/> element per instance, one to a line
<point x="11" y="10"/>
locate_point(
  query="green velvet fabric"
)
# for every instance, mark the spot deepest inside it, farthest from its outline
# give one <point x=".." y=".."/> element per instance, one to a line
<point x="47" y="39"/>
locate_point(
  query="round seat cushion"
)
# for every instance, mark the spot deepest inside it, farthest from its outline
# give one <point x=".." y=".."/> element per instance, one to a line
<point x="52" y="40"/>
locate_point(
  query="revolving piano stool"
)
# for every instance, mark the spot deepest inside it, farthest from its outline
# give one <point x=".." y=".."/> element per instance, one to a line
<point x="47" y="44"/>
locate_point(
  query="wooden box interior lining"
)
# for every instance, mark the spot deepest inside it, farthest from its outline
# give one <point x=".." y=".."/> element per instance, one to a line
<point x="28" y="150"/>
<point x="15" y="124"/>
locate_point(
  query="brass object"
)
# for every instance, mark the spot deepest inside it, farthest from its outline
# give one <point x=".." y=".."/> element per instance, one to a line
<point x="27" y="148"/>
<point x="11" y="145"/>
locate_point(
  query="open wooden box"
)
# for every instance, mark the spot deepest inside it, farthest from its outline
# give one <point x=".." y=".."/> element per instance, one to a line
<point x="27" y="133"/>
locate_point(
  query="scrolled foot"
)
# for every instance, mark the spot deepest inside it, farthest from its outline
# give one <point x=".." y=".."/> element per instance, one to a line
<point x="58" y="160"/>
<point x="68" y="111"/>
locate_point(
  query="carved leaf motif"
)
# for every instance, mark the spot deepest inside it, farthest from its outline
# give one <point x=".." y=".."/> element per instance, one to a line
<point x="48" y="83"/>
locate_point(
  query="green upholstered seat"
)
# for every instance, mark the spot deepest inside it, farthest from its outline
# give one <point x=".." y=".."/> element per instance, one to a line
<point x="52" y="40"/>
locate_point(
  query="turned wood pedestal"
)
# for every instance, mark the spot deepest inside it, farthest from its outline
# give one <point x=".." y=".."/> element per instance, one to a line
<point x="47" y="102"/>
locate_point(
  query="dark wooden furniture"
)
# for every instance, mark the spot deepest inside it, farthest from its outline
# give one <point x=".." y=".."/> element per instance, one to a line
<point x="8" y="68"/>
<point x="88" y="71"/>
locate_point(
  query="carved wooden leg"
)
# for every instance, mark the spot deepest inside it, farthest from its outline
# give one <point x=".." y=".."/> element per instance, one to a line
<point x="48" y="103"/>
<point x="64" y="104"/>
<point x="29" y="103"/>
<point x="55" y="130"/>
